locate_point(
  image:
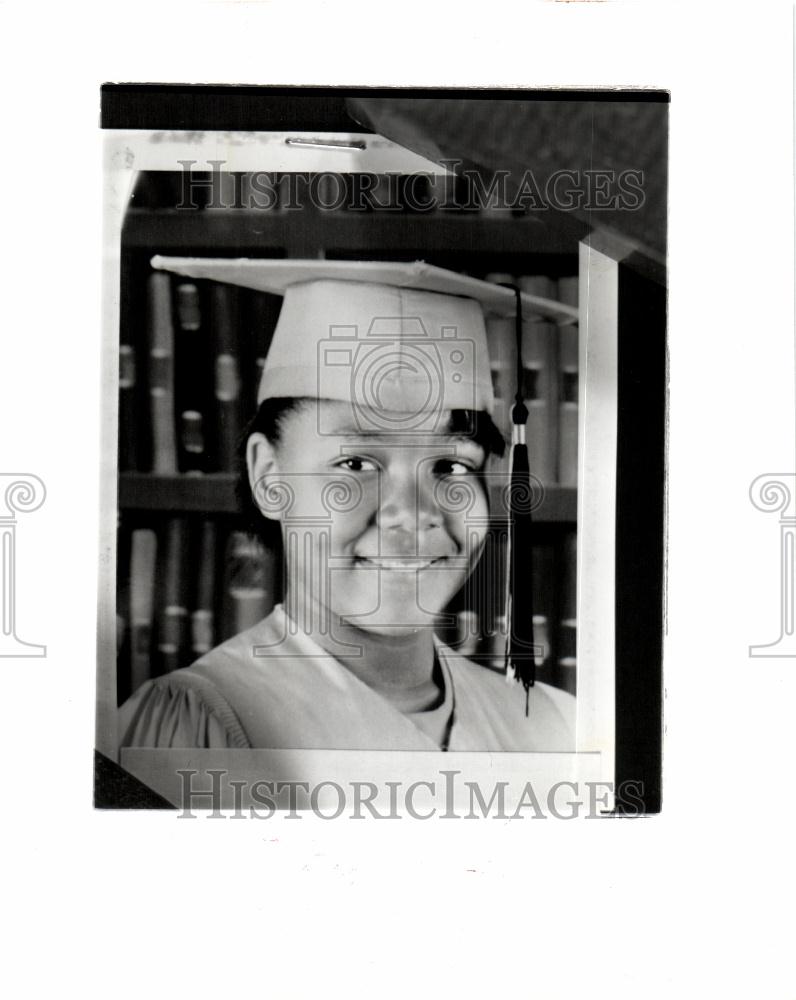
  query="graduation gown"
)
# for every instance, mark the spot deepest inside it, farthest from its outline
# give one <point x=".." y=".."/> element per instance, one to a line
<point x="295" y="695"/>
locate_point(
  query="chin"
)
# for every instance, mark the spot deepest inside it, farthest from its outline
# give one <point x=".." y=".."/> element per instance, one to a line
<point x="394" y="605"/>
<point x="388" y="617"/>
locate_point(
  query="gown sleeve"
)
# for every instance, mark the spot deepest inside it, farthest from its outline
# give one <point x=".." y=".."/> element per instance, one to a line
<point x="172" y="712"/>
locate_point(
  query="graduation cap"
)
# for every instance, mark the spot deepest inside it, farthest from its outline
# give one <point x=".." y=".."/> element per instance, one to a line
<point x="397" y="338"/>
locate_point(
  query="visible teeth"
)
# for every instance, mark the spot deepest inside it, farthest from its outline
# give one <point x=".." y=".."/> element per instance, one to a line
<point x="411" y="564"/>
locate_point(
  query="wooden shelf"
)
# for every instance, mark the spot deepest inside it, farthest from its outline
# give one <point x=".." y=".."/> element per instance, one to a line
<point x="214" y="493"/>
<point x="298" y="232"/>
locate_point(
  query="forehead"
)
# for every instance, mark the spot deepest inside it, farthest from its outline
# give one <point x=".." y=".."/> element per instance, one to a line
<point x="326" y="419"/>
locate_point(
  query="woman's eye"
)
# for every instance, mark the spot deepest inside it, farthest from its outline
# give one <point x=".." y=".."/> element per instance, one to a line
<point x="355" y="464"/>
<point x="450" y="467"/>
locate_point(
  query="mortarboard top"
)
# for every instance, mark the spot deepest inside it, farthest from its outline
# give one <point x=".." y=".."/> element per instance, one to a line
<point x="394" y="336"/>
<point x="276" y="276"/>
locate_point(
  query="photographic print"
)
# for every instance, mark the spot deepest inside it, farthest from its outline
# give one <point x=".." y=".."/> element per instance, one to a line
<point x="384" y="463"/>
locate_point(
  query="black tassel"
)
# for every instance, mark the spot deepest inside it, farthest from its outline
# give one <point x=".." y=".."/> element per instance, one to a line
<point x="520" y="650"/>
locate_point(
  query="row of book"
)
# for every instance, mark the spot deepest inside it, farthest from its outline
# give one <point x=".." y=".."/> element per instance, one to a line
<point x="186" y="584"/>
<point x="200" y="355"/>
<point x="203" y="346"/>
<point x="480" y="630"/>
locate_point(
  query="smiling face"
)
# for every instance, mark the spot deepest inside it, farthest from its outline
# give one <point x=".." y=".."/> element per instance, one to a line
<point x="379" y="530"/>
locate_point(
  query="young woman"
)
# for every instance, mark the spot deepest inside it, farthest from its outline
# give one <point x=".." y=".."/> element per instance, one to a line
<point x="368" y="454"/>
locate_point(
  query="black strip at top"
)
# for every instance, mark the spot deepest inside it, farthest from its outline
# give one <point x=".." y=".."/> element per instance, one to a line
<point x="215" y="108"/>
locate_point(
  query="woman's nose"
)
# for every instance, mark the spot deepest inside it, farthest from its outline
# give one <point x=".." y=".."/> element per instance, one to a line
<point x="407" y="501"/>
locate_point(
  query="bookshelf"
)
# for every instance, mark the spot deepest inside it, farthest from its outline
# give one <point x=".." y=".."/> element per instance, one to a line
<point x="255" y="230"/>
<point x="476" y="242"/>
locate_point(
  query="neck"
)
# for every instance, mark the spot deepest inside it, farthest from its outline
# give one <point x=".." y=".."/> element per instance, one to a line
<point x="400" y="667"/>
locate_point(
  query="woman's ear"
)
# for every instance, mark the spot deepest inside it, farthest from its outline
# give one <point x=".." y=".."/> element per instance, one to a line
<point x="261" y="462"/>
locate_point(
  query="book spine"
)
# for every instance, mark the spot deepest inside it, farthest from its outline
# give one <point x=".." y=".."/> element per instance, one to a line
<point x="467" y="633"/>
<point x="568" y="389"/>
<point x="161" y="374"/>
<point x="128" y="442"/>
<point x="486" y="591"/>
<point x="189" y="382"/>
<point x="192" y="441"/>
<point x="143" y="554"/>
<point x="123" y="542"/>
<point x="568" y="631"/>
<point x="250" y="583"/>
<point x="543" y="583"/>
<point x="173" y="640"/>
<point x="203" y="636"/>
<point x="492" y="647"/>
<point x="228" y="424"/>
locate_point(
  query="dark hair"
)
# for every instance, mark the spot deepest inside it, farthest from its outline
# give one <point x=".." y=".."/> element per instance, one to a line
<point x="475" y="425"/>
<point x="267" y="421"/>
